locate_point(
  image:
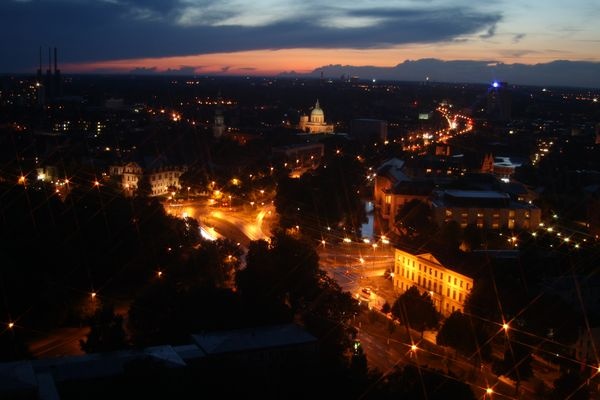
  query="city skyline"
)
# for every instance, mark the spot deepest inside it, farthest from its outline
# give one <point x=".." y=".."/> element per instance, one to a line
<point x="274" y="37"/>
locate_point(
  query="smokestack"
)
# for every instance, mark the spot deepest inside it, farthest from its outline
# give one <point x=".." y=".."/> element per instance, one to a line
<point x="39" y="71"/>
<point x="55" y="60"/>
<point x="49" y="61"/>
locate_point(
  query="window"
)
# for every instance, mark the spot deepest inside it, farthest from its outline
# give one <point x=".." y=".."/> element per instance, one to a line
<point x="461" y="282"/>
<point x="429" y="271"/>
<point x="448" y="292"/>
<point x="454" y="295"/>
<point x="467" y="286"/>
<point x="412" y="277"/>
<point x="455" y="280"/>
<point x="435" y="273"/>
<point x="441" y="275"/>
<point x="419" y="279"/>
<point x="449" y="278"/>
<point x="460" y="297"/>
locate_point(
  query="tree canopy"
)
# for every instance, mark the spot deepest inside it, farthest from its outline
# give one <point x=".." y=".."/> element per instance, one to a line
<point x="416" y="310"/>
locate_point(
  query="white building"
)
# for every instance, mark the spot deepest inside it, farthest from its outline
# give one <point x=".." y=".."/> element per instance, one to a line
<point x="316" y="123"/>
<point x="161" y="178"/>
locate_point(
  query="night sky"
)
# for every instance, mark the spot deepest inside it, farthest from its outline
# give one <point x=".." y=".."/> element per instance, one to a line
<point x="273" y="36"/>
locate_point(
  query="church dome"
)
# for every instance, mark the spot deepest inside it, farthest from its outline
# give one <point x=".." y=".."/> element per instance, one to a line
<point x="317" y="114"/>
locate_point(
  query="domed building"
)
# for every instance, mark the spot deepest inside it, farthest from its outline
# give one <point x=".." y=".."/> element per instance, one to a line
<point x="316" y="123"/>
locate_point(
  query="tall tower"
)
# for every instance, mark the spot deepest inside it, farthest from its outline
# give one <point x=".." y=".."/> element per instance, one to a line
<point x="48" y="81"/>
<point x="498" y="102"/>
<point x="219" y="122"/>
<point x="39" y="83"/>
<point x="57" y="89"/>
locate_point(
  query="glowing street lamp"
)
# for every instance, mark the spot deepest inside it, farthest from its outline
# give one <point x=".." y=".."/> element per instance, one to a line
<point x="93" y="295"/>
<point x="11" y="325"/>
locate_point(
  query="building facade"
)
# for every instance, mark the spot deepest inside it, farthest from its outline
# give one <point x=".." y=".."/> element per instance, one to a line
<point x="448" y="288"/>
<point x="161" y="178"/>
<point x="484" y="209"/>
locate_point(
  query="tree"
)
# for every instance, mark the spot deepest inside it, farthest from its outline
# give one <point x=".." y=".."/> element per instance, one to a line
<point x="572" y="385"/>
<point x="416" y="310"/>
<point x="463" y="335"/>
<point x="473" y="237"/>
<point x="517" y="360"/>
<point x="106" y="334"/>
<point x="144" y="187"/>
<point x="414" y="219"/>
<point x="286" y="271"/>
<point x="412" y="382"/>
<point x="12" y="345"/>
<point x="450" y="235"/>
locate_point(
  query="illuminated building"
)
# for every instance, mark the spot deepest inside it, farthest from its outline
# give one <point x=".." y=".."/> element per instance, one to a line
<point x="161" y="178"/>
<point x="219" y="123"/>
<point x="316" y="123"/>
<point x="447" y="287"/>
<point x="300" y="157"/>
<point x="484" y="209"/>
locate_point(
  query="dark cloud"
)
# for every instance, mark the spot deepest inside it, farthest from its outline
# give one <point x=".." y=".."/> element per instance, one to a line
<point x="144" y="71"/>
<point x="88" y="30"/>
<point x="491" y="32"/>
<point x="183" y="70"/>
<point x="518" y="37"/>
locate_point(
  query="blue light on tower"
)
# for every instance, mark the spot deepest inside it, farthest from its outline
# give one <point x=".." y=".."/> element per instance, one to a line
<point x="495" y="84"/>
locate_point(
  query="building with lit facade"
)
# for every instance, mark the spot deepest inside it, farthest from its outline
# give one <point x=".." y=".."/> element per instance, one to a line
<point x="316" y="123"/>
<point x="161" y="178"/>
<point x="447" y="287"/>
<point x="487" y="209"/>
<point x="299" y="157"/>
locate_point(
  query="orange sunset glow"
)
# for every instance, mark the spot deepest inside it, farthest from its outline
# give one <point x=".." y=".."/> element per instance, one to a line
<point x="270" y="62"/>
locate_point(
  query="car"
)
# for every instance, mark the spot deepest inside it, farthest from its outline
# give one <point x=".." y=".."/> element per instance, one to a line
<point x="367" y="291"/>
